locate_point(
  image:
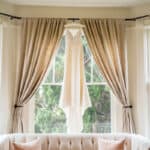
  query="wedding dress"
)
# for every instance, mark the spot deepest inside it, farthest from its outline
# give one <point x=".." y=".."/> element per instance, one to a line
<point x="74" y="98"/>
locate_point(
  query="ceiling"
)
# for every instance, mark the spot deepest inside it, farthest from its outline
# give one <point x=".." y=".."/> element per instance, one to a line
<point x="81" y="3"/>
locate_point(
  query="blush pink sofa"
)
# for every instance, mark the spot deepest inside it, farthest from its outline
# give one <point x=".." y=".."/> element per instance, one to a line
<point x="74" y="141"/>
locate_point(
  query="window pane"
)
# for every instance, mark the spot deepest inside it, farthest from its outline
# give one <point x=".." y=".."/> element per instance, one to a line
<point x="92" y="72"/>
<point x="87" y="65"/>
<point x="97" y="77"/>
<point x="48" y="116"/>
<point x="59" y="62"/>
<point x="98" y="118"/>
<point x="87" y="60"/>
<point x="49" y="78"/>
<point x="58" y="71"/>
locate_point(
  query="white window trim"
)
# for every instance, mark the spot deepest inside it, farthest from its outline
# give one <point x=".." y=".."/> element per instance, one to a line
<point x="90" y="83"/>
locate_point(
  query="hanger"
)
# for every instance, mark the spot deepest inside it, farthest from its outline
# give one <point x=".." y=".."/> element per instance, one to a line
<point x="74" y="25"/>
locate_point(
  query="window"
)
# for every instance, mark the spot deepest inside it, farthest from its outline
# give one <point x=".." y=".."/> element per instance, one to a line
<point x="49" y="118"/>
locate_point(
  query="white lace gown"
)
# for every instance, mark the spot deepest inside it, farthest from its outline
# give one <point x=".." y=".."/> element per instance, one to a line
<point x="74" y="94"/>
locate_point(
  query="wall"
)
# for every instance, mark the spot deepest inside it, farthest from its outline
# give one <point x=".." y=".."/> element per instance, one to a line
<point x="81" y="12"/>
<point x="7" y="8"/>
<point x="140" y="10"/>
<point x="70" y="12"/>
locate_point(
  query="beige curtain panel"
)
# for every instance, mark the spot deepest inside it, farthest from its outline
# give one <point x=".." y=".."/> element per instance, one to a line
<point x="40" y="38"/>
<point x="106" y="41"/>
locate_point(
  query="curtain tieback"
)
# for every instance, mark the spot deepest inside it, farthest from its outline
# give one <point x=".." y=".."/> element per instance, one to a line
<point x="16" y="106"/>
<point x="127" y="106"/>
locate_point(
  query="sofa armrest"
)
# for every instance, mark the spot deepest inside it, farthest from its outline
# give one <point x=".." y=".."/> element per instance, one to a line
<point x="4" y="142"/>
<point x="140" y="143"/>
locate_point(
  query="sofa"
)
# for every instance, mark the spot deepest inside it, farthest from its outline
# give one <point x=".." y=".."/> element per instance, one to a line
<point x="74" y="141"/>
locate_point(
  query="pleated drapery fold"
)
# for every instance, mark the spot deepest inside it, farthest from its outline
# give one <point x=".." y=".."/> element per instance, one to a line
<point x="40" y="38"/>
<point x="106" y="38"/>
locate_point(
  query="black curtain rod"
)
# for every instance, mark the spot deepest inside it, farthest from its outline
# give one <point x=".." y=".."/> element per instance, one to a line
<point x="126" y="19"/>
<point x="136" y="18"/>
<point x="74" y="19"/>
<point x="10" y="16"/>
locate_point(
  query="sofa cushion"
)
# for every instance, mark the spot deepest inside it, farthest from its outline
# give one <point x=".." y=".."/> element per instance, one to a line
<point x="117" y="137"/>
<point x="33" y="145"/>
<point x="111" y="144"/>
<point x="4" y="142"/>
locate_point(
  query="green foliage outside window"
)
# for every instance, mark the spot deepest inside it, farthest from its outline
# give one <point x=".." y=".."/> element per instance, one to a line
<point x="49" y="117"/>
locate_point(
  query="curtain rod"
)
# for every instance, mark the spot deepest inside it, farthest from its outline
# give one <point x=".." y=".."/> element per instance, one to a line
<point x="10" y="16"/>
<point x="74" y="19"/>
<point x="136" y="18"/>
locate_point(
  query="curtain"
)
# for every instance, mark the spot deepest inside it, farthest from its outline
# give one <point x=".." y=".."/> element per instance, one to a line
<point x="40" y="38"/>
<point x="138" y="52"/>
<point x="1" y="37"/>
<point x="9" y="35"/>
<point x="106" y="41"/>
<point x="74" y="96"/>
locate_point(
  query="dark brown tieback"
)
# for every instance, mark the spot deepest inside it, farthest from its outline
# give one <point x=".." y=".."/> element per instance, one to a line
<point x="16" y="106"/>
<point x="128" y="106"/>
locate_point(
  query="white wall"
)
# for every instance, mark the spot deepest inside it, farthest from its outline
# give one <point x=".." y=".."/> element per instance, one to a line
<point x="81" y="12"/>
<point x="73" y="12"/>
<point x="7" y="8"/>
<point x="140" y="10"/>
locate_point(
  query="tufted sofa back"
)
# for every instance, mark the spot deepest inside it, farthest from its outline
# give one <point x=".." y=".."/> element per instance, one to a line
<point x="59" y="142"/>
<point x="66" y="141"/>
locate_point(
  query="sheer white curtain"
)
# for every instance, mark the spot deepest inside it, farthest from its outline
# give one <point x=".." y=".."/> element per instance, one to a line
<point x="9" y="43"/>
<point x="0" y="51"/>
<point x="137" y="49"/>
<point x="147" y="36"/>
